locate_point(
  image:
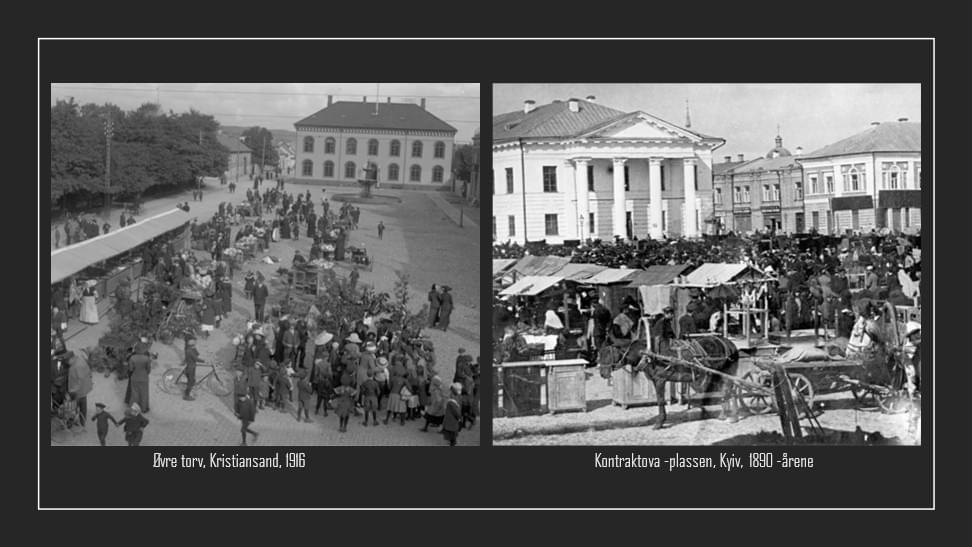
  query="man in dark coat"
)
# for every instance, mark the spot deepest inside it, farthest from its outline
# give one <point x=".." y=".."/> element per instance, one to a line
<point x="140" y="366"/>
<point x="434" y="302"/>
<point x="453" y="415"/>
<point x="445" y="307"/>
<point x="192" y="359"/>
<point x="260" y="294"/>
<point x="247" y="416"/>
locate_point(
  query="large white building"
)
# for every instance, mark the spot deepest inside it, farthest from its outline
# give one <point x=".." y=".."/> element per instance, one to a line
<point x="409" y="144"/>
<point x="577" y="170"/>
<point x="869" y="180"/>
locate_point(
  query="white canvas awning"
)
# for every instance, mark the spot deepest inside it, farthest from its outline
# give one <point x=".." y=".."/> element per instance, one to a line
<point x="531" y="285"/>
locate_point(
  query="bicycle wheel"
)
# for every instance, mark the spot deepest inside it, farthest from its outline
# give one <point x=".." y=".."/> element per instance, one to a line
<point x="219" y="386"/>
<point x="173" y="381"/>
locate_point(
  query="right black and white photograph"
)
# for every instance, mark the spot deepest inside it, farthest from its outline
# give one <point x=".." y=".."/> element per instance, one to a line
<point x="706" y="264"/>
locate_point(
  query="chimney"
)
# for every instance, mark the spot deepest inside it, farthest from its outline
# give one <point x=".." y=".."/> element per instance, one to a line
<point x="364" y="99"/>
<point x="529" y="105"/>
<point x="799" y="150"/>
<point x="423" y="103"/>
<point x="741" y="157"/>
<point x="330" y="100"/>
<point x="728" y="159"/>
<point x="573" y="104"/>
<point x="591" y="98"/>
<point x="389" y="100"/>
<point x="902" y="119"/>
<point x="875" y="124"/>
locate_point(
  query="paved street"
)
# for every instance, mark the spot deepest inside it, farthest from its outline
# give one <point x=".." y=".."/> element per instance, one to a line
<point x="420" y="238"/>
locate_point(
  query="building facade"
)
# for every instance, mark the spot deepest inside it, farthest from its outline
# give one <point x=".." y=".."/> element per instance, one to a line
<point x="765" y="194"/>
<point x="871" y="180"/>
<point x="577" y="170"/>
<point x="409" y="145"/>
<point x="240" y="157"/>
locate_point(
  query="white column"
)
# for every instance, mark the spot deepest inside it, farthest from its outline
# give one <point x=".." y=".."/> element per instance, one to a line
<point x="620" y="227"/>
<point x="688" y="222"/>
<point x="654" y="198"/>
<point x="583" y="197"/>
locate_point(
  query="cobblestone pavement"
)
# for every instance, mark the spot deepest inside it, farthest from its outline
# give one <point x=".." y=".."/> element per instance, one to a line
<point x="419" y="239"/>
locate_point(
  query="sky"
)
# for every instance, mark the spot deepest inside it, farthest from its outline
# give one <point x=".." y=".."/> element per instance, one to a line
<point x="278" y="105"/>
<point x="745" y="115"/>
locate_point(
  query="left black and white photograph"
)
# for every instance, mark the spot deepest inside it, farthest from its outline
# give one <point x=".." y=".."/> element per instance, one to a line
<point x="275" y="264"/>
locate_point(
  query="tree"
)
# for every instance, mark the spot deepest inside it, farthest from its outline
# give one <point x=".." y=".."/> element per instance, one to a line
<point x="464" y="161"/>
<point x="260" y="140"/>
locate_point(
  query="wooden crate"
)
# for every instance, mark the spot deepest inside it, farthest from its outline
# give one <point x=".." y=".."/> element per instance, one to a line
<point x="629" y="389"/>
<point x="567" y="385"/>
<point x="539" y="387"/>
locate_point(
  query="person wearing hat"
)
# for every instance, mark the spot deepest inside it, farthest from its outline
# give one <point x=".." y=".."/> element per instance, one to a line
<point x="80" y="383"/>
<point x="445" y="307"/>
<point x="134" y="424"/>
<point x="871" y="282"/>
<point x="434" y="302"/>
<point x="304" y="392"/>
<point x="140" y="367"/>
<point x="101" y="418"/>
<point x="89" y="303"/>
<point x="247" y="410"/>
<point x="322" y="384"/>
<point x="345" y="394"/>
<point x="289" y="340"/>
<point x="452" y="419"/>
<point x="662" y="330"/>
<point x="397" y="406"/>
<point x="435" y="409"/>
<point x="191" y="360"/>
<point x="369" y="390"/>
<point x="260" y="294"/>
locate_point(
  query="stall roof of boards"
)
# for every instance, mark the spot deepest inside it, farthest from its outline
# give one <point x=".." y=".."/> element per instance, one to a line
<point x="712" y="274"/>
<point x="531" y="285"/>
<point x="70" y="260"/>
<point x="658" y="274"/>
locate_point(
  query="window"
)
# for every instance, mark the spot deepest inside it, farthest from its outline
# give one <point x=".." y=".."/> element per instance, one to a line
<point x="349" y="170"/>
<point x="509" y="180"/>
<point x="717" y="197"/>
<point x="494" y="228"/>
<point x="415" y="173"/>
<point x="894" y="175"/>
<point x="439" y="151"/>
<point x="815" y="219"/>
<point x="394" y="149"/>
<point x="814" y="185"/>
<point x="417" y="149"/>
<point x="329" y="145"/>
<point x="628" y="224"/>
<point x="590" y="222"/>
<point x="854" y="178"/>
<point x="307" y="168"/>
<point x="590" y="178"/>
<point x="662" y="171"/>
<point x="766" y="193"/>
<point x="329" y="169"/>
<point x="918" y="175"/>
<point x="776" y="192"/>
<point x="907" y="217"/>
<point x="549" y="178"/>
<point x="736" y="194"/>
<point x="308" y="144"/>
<point x="550" y="223"/>
<point x="393" y="171"/>
<point x="830" y="184"/>
<point x="856" y="219"/>
<point x="437" y="173"/>
<point x="351" y="146"/>
<point x="695" y="171"/>
<point x="664" y="221"/>
<point x="798" y="191"/>
<point x="746" y="197"/>
<point x="511" y="223"/>
<point x="627" y="180"/>
<point x="373" y="147"/>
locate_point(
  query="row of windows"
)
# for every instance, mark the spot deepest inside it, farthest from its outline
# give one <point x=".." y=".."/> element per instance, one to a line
<point x="350" y="171"/>
<point x="394" y="147"/>
<point x="740" y="194"/>
<point x="550" y="179"/>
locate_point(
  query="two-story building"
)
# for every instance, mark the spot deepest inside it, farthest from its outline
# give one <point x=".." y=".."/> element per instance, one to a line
<point x="722" y="185"/>
<point x="240" y="157"/>
<point x="409" y="144"/>
<point x="869" y="180"/>
<point x="578" y="170"/>
<point x="765" y="194"/>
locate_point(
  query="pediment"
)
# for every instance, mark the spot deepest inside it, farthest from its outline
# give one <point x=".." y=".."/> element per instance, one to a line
<point x="643" y="126"/>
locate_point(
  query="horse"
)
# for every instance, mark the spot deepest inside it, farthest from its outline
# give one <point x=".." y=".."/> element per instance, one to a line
<point x="713" y="351"/>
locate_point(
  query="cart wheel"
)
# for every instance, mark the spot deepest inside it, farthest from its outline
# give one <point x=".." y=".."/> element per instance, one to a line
<point x="895" y="403"/>
<point x="801" y="384"/>
<point x="219" y="386"/>
<point x="865" y="398"/>
<point x="753" y="401"/>
<point x="170" y="382"/>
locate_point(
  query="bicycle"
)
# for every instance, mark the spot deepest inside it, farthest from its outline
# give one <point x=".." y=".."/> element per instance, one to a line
<point x="174" y="381"/>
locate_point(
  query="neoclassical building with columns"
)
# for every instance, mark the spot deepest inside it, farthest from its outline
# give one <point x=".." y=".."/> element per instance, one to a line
<point x="578" y="170"/>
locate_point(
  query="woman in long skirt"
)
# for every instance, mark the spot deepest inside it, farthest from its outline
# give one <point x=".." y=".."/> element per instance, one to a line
<point x="89" y="303"/>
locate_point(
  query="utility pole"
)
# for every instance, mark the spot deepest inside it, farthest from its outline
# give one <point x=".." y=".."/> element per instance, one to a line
<point x="109" y="131"/>
<point x="263" y="159"/>
<point x="199" y="180"/>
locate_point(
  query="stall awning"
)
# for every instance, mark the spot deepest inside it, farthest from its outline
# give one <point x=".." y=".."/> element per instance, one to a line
<point x="68" y="261"/>
<point x="851" y="203"/>
<point x="611" y="275"/>
<point x="500" y="265"/>
<point x="540" y="265"/>
<point x="580" y="272"/>
<point x="657" y="275"/>
<point x="711" y="274"/>
<point x="531" y="285"/>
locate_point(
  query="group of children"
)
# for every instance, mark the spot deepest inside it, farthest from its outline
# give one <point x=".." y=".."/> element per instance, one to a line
<point x="134" y="424"/>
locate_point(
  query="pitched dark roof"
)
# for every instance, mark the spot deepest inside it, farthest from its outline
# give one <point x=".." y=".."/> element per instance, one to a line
<point x="766" y="164"/>
<point x="232" y="143"/>
<point x="361" y="115"/>
<point x="887" y="137"/>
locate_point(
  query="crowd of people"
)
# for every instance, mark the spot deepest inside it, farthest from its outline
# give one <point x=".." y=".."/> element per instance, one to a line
<point x="79" y="227"/>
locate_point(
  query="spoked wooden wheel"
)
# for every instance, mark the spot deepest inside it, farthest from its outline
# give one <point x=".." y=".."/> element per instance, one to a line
<point x="170" y="381"/>
<point x="754" y="401"/>
<point x="801" y="384"/>
<point x="894" y="403"/>
<point x="219" y="386"/>
<point x="865" y="397"/>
